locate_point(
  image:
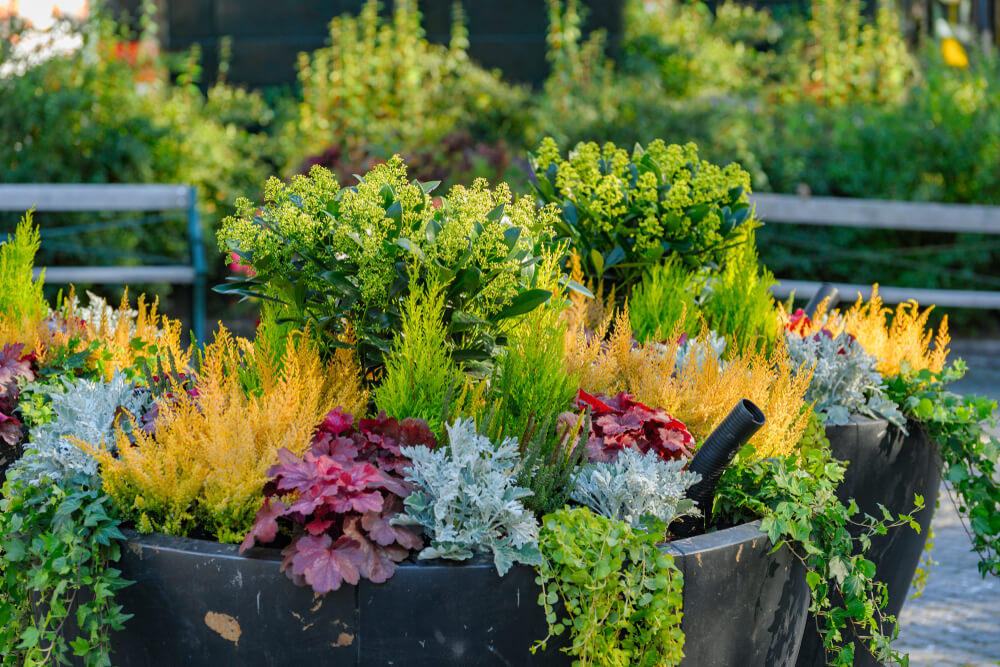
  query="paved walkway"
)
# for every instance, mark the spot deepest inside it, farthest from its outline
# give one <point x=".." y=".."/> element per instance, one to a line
<point x="956" y="623"/>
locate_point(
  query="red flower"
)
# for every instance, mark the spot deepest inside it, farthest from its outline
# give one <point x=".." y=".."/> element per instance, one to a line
<point x="799" y="322"/>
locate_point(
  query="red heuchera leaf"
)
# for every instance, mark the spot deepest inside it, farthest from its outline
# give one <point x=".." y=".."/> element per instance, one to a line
<point x="345" y="491"/>
<point x="798" y="322"/>
<point x="621" y="423"/>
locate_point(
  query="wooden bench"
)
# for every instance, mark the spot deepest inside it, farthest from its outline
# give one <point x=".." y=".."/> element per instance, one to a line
<point x="120" y="197"/>
<point x="877" y="214"/>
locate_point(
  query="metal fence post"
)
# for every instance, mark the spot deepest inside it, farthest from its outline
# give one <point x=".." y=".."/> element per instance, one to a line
<point x="198" y="287"/>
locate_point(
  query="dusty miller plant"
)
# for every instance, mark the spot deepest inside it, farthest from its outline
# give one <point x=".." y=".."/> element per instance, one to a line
<point x="845" y="380"/>
<point x="468" y="502"/>
<point x="635" y="487"/>
<point x="86" y="410"/>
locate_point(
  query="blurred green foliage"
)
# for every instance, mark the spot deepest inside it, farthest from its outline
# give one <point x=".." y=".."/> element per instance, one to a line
<point x="833" y="102"/>
<point x="382" y="88"/>
<point x="114" y="111"/>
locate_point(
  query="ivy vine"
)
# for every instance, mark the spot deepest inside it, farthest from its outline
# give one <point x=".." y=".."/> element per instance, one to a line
<point x="959" y="425"/>
<point x="621" y="597"/>
<point x="57" y="586"/>
<point x="797" y="498"/>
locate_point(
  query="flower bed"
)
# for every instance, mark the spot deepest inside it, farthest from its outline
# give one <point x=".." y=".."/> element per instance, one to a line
<point x="446" y="440"/>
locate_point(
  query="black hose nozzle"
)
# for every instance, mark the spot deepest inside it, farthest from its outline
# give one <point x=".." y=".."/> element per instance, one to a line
<point x="712" y="459"/>
<point x="825" y="291"/>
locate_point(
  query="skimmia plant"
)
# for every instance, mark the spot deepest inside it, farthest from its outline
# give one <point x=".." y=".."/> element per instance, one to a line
<point x="624" y="213"/>
<point x="337" y="256"/>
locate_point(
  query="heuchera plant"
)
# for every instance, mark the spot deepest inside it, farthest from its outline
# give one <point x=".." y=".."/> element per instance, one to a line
<point x="338" y="499"/>
<point x="620" y="422"/>
<point x="13" y="367"/>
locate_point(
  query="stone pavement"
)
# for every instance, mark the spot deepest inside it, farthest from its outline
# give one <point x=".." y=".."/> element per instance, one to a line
<point x="956" y="623"/>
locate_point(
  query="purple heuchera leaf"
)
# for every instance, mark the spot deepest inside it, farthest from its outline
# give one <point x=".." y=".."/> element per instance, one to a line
<point x="265" y="527"/>
<point x="326" y="564"/>
<point x="620" y="422"/>
<point x="383" y="533"/>
<point x="14" y="366"/>
<point x="344" y="492"/>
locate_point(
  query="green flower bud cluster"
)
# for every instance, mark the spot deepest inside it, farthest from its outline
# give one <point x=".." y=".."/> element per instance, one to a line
<point x="333" y="254"/>
<point x="625" y="212"/>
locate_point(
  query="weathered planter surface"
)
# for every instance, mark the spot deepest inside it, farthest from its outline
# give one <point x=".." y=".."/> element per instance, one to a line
<point x="200" y="603"/>
<point x="889" y="468"/>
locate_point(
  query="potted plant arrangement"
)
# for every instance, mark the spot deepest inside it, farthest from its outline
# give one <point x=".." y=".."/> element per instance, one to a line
<point x="456" y="452"/>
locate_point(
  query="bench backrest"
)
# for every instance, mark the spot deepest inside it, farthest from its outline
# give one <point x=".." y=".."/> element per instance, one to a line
<point x="120" y="197"/>
<point x="877" y="214"/>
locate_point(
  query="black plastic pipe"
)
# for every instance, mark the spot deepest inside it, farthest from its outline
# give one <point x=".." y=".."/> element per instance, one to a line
<point x="712" y="459"/>
<point x="826" y="290"/>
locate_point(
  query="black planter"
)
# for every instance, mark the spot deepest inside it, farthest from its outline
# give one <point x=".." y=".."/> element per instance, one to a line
<point x="200" y="603"/>
<point x="889" y="468"/>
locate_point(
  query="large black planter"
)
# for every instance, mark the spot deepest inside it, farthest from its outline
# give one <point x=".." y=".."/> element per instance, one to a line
<point x="889" y="468"/>
<point x="201" y="604"/>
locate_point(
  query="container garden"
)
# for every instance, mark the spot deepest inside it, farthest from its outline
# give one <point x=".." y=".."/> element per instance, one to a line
<point x="200" y="603"/>
<point x="885" y="467"/>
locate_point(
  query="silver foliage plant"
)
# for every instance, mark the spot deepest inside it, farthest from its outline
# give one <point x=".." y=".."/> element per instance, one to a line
<point x="636" y="486"/>
<point x="845" y="380"/>
<point x="85" y="410"/>
<point x="467" y="500"/>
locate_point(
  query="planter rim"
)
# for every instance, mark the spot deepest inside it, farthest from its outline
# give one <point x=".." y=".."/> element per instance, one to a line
<point x="719" y="539"/>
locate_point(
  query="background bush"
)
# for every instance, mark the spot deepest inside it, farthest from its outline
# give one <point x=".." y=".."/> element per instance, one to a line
<point x="830" y="100"/>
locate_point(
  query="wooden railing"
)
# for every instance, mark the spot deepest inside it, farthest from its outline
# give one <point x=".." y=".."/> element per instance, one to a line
<point x="873" y="214"/>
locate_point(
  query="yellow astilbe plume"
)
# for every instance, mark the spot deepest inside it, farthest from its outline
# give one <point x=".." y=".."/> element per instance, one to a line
<point x="123" y="337"/>
<point x="897" y="338"/>
<point x="823" y="318"/>
<point x="700" y="392"/>
<point x="206" y="465"/>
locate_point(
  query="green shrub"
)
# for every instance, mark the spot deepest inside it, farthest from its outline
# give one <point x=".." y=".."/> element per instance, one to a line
<point x="22" y="302"/>
<point x="531" y="383"/>
<point x="336" y="256"/>
<point x="736" y="301"/>
<point x="692" y="50"/>
<point x="845" y="57"/>
<point x="381" y="88"/>
<point x="667" y="293"/>
<point x="421" y="379"/>
<point x="624" y="213"/>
